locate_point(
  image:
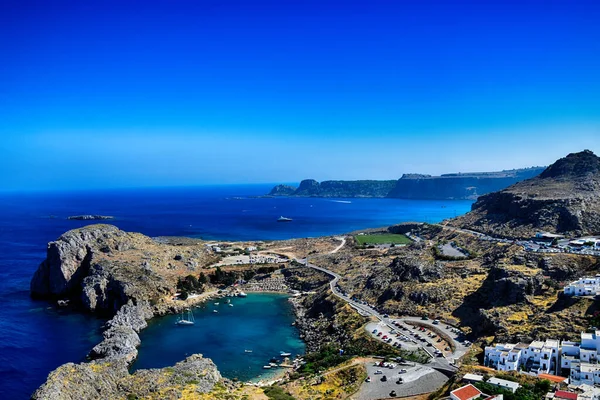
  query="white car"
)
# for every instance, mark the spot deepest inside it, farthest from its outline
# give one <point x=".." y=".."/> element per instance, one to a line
<point x="378" y="372"/>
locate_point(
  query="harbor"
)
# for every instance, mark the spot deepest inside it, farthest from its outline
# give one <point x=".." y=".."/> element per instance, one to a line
<point x="244" y="336"/>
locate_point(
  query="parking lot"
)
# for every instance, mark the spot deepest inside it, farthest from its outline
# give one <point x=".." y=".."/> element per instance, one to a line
<point x="416" y="380"/>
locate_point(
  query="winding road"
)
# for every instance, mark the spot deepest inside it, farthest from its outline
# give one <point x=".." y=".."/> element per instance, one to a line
<point x="436" y="362"/>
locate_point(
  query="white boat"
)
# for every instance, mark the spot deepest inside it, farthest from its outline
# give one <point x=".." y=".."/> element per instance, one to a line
<point x="230" y="305"/>
<point x="247" y="351"/>
<point x="283" y="354"/>
<point x="215" y="311"/>
<point x="216" y="304"/>
<point x="273" y="365"/>
<point x="186" y="321"/>
<point x="283" y="219"/>
<point x="242" y="294"/>
<point x="266" y="367"/>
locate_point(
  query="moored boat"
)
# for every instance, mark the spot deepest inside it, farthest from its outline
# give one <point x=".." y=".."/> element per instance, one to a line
<point x="266" y="367"/>
<point x="283" y="219"/>
<point x="284" y="354"/>
<point x="242" y="294"/>
<point x="183" y="320"/>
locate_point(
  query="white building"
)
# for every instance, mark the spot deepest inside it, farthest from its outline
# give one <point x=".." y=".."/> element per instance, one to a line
<point x="508" y="385"/>
<point x="588" y="286"/>
<point x="548" y="357"/>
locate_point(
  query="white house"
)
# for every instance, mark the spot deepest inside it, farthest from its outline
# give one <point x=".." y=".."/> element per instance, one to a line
<point x="585" y="373"/>
<point x="569" y="352"/>
<point x="509" y="385"/>
<point x="587" y="286"/>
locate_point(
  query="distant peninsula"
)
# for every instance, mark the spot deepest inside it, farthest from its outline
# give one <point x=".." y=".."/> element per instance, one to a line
<point x="453" y="186"/>
<point x="90" y="217"/>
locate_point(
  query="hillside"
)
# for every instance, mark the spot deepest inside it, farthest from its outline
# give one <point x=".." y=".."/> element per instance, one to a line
<point x="412" y="186"/>
<point x="564" y="198"/>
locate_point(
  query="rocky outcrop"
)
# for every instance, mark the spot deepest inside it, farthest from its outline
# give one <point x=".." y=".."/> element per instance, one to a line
<point x="564" y="198"/>
<point x="282" y="190"/>
<point x="108" y="380"/>
<point x="348" y="189"/>
<point x="90" y="217"/>
<point x="68" y="261"/>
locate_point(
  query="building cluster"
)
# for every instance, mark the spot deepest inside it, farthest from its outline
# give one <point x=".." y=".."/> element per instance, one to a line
<point x="587" y="286"/>
<point x="577" y="360"/>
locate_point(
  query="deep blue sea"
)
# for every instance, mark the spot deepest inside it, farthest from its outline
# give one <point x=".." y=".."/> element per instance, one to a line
<point x="35" y="337"/>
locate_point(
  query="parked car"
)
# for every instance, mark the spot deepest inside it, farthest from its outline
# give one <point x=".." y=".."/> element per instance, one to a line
<point x="378" y="372"/>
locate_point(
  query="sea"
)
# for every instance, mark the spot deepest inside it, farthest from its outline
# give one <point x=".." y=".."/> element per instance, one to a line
<point x="36" y="337"/>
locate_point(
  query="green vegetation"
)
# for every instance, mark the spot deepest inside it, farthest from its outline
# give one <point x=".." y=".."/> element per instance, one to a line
<point x="387" y="238"/>
<point x="189" y="284"/>
<point x="525" y="392"/>
<point x="277" y="393"/>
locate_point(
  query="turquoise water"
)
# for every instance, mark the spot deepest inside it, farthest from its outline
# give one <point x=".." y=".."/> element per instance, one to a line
<point x="260" y="322"/>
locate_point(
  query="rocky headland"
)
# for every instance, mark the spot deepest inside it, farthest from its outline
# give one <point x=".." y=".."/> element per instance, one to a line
<point x="412" y="186"/>
<point x="90" y="217"/>
<point x="564" y="198"/>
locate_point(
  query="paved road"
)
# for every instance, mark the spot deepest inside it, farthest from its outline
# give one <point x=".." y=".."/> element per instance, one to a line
<point x="438" y="362"/>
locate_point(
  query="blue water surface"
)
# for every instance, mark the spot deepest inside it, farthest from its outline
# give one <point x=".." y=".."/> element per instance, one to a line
<point x="260" y="323"/>
<point x="35" y="337"/>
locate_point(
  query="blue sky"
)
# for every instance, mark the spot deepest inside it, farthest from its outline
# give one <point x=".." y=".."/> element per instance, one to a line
<point x="113" y="94"/>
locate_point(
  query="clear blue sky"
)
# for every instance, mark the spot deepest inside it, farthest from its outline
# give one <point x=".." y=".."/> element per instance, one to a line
<point x="109" y="94"/>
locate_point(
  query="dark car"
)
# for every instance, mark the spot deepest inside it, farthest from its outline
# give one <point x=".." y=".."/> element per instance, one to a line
<point x="384" y="379"/>
<point x="393" y="393"/>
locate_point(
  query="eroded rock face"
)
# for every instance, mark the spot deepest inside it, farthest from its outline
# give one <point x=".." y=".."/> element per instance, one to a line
<point x="68" y="260"/>
<point x="110" y="380"/>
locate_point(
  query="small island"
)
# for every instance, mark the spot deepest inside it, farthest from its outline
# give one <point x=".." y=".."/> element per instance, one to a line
<point x="90" y="217"/>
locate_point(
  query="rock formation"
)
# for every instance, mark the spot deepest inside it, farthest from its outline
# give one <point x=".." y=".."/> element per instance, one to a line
<point x="412" y="186"/>
<point x="564" y="198"/>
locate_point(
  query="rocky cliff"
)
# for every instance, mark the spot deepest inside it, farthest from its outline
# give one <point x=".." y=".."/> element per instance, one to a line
<point x="312" y="188"/>
<point x="458" y="186"/>
<point x="412" y="186"/>
<point x="564" y="198"/>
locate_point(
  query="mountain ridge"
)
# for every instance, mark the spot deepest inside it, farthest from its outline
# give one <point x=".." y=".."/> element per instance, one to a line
<point x="412" y="186"/>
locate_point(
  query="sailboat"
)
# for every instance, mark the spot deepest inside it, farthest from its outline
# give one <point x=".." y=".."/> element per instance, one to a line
<point x="186" y="321"/>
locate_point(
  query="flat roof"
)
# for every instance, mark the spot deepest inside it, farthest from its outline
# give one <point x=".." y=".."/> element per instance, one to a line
<point x="537" y="344"/>
<point x="473" y="377"/>
<point x="504" y="383"/>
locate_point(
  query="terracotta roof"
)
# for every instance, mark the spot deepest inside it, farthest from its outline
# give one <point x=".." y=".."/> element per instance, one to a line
<point x="552" y="378"/>
<point x="561" y="394"/>
<point x="466" y="392"/>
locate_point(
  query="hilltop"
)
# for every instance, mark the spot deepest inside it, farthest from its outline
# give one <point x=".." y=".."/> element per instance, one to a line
<point x="564" y="198"/>
<point x="412" y="186"/>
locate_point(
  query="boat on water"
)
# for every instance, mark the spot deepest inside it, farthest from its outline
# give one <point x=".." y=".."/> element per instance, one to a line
<point x="247" y="351"/>
<point x="216" y="304"/>
<point x="186" y="320"/>
<point x="227" y="301"/>
<point x="273" y="365"/>
<point x="215" y="311"/>
<point x="266" y="367"/>
<point x="242" y="294"/>
<point x="230" y="305"/>
<point x="284" y="354"/>
<point x="283" y="219"/>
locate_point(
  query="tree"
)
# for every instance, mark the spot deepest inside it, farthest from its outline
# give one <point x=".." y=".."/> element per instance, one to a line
<point x="202" y="278"/>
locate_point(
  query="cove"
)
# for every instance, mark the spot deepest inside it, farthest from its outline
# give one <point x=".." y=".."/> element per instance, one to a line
<point x="261" y="322"/>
